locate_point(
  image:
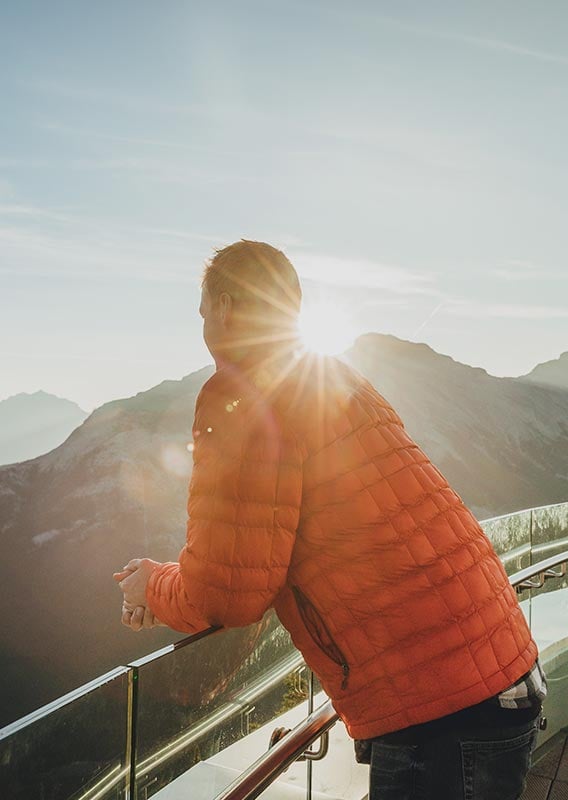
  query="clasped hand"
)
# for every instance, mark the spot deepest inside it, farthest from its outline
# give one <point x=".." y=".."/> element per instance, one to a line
<point x="133" y="579"/>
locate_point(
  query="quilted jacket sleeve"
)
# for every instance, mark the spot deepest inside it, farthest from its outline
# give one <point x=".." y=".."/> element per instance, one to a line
<point x="244" y="507"/>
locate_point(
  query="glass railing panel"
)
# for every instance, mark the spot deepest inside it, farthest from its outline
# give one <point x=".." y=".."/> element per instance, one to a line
<point x="510" y="535"/>
<point x="211" y="777"/>
<point x="338" y="775"/>
<point x="293" y="783"/>
<point x="549" y="616"/>
<point x="76" y="748"/>
<point x="549" y="531"/>
<point x="203" y="712"/>
<point x="196" y="701"/>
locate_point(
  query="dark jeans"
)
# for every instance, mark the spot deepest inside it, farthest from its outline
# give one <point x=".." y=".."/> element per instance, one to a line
<point x="461" y="764"/>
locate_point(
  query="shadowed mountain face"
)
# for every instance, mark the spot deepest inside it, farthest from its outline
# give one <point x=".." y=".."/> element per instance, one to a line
<point x="501" y="442"/>
<point x="117" y="488"/>
<point x="31" y="424"/>
<point x="550" y="373"/>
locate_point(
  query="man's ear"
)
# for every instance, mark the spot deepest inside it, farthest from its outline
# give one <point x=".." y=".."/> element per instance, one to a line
<point x="225" y="306"/>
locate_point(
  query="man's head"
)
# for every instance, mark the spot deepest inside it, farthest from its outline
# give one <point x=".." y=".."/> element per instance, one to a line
<point x="251" y="297"/>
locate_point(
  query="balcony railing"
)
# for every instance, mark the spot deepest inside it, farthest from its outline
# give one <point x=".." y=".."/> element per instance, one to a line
<point x="189" y="719"/>
<point x="272" y="764"/>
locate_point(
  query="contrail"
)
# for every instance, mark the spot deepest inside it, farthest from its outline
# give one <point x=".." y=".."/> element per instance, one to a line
<point x="428" y="318"/>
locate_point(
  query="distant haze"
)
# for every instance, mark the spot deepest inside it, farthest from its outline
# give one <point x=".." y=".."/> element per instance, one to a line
<point x="32" y="424"/>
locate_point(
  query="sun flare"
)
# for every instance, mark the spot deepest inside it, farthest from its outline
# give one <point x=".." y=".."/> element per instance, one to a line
<point x="326" y="329"/>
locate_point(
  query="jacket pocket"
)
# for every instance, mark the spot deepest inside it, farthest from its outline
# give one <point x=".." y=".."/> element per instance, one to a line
<point x="319" y="632"/>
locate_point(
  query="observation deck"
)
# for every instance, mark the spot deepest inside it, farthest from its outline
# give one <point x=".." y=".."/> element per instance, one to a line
<point x="164" y="727"/>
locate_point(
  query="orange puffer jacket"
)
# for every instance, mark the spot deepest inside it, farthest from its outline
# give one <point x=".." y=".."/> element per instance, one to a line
<point x="307" y="494"/>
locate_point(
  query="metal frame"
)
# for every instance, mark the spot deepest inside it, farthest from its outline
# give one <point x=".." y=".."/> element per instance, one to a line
<point x="533" y="577"/>
<point x="268" y="767"/>
<point x="296" y="745"/>
<point x="64" y="700"/>
<point x="263" y="772"/>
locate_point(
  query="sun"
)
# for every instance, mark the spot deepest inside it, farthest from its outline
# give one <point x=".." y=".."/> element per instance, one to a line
<point x="325" y="328"/>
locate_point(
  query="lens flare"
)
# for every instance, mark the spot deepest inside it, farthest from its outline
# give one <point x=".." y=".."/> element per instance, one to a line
<point x="325" y="328"/>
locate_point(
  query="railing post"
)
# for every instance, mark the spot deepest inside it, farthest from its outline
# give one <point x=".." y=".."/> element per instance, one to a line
<point x="531" y="541"/>
<point x="309" y="764"/>
<point x="131" y="748"/>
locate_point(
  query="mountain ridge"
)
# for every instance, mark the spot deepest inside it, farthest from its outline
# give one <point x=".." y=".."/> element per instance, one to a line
<point x="117" y="488"/>
<point x="550" y="373"/>
<point x="33" y="423"/>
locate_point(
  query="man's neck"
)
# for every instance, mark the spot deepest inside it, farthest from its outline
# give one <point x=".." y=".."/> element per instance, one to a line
<point x="278" y="352"/>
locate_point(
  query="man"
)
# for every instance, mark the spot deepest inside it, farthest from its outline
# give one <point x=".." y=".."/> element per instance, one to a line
<point x="307" y="494"/>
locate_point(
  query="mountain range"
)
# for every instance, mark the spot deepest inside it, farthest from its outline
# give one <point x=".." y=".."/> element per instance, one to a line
<point x="501" y="442"/>
<point x="32" y="424"/>
<point x="116" y="488"/>
<point x="550" y="373"/>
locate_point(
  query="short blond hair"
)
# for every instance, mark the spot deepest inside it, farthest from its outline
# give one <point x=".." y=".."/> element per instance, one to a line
<point x="260" y="279"/>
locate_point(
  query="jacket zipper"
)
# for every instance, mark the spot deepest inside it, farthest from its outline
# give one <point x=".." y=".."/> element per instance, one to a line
<point x="319" y="632"/>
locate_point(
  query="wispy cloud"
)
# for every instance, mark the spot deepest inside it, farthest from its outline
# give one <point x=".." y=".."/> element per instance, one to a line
<point x="35" y="241"/>
<point x="230" y="109"/>
<point x="362" y="274"/>
<point x="32" y="212"/>
<point x="59" y="163"/>
<point x="82" y="356"/>
<point x="69" y="130"/>
<point x="225" y="115"/>
<point x="17" y="163"/>
<point x="482" y="310"/>
<point x="109" y="96"/>
<point x="505" y="47"/>
<point x="483" y="42"/>
<point x="40" y="254"/>
<point x="184" y="235"/>
<point x="415" y="146"/>
<point x="526" y="271"/>
<point x="391" y="143"/>
<point x="161" y="170"/>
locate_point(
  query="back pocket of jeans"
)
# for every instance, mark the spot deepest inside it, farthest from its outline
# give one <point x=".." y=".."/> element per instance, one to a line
<point x="496" y="770"/>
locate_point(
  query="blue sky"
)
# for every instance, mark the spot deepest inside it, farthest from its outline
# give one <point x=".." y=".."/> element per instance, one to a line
<point x="410" y="158"/>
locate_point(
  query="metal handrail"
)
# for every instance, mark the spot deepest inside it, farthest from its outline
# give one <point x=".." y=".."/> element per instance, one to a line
<point x="265" y="770"/>
<point x="61" y="702"/>
<point x="542" y="571"/>
<point x="251" y="783"/>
